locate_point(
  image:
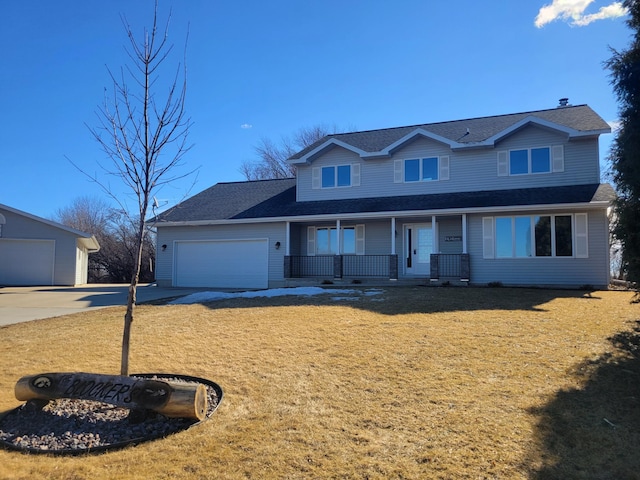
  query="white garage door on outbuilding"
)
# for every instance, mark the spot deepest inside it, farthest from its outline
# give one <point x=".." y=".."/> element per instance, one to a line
<point x="26" y="262"/>
<point x="222" y="263"/>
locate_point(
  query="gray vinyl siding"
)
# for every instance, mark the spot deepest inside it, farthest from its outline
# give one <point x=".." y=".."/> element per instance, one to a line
<point x="21" y="227"/>
<point x="274" y="232"/>
<point x="450" y="227"/>
<point x="469" y="170"/>
<point x="547" y="271"/>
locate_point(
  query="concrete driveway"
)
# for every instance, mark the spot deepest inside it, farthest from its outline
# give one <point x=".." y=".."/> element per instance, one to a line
<point x="21" y="304"/>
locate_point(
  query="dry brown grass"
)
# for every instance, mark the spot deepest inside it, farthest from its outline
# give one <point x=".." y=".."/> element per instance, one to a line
<point x="413" y="383"/>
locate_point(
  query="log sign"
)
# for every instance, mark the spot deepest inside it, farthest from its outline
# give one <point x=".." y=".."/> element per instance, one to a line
<point x="173" y="399"/>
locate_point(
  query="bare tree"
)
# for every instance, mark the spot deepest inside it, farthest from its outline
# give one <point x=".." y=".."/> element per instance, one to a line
<point x="87" y="214"/>
<point x="144" y="134"/>
<point x="273" y="157"/>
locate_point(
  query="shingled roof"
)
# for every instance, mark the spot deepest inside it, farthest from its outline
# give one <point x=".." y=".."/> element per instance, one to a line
<point x="277" y="199"/>
<point x="225" y="200"/>
<point x="577" y="120"/>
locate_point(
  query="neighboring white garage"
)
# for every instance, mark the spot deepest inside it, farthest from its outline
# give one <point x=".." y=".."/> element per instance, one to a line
<point x="16" y="271"/>
<point x="37" y="251"/>
<point x="222" y="263"/>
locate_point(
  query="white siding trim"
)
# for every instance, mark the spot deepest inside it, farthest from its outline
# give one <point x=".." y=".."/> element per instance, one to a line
<point x="557" y="158"/>
<point x="582" y="235"/>
<point x="444" y="167"/>
<point x="315" y="178"/>
<point x="311" y="241"/>
<point x="487" y="238"/>
<point x="359" y="239"/>
<point x="397" y="171"/>
<point x="355" y="175"/>
<point x="503" y="163"/>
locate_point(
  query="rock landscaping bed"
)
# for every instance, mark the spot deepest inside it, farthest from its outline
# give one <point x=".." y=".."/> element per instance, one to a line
<point x="73" y="426"/>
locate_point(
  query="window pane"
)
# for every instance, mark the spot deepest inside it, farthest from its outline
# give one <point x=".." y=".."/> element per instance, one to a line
<point x="349" y="240"/>
<point x="523" y="237"/>
<point x="543" y="236"/>
<point x="563" y="236"/>
<point x="518" y="162"/>
<point x="504" y="242"/>
<point x="540" y="160"/>
<point x="411" y="170"/>
<point x="344" y="176"/>
<point x="430" y="168"/>
<point x="322" y="241"/>
<point x="328" y="177"/>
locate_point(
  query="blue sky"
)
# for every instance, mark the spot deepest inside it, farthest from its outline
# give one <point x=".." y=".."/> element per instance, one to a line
<point x="265" y="69"/>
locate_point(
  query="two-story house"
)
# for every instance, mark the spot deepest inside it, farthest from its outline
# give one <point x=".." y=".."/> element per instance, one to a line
<point x="514" y="199"/>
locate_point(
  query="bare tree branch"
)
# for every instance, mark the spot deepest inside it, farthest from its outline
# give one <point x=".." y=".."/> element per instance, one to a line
<point x="144" y="134"/>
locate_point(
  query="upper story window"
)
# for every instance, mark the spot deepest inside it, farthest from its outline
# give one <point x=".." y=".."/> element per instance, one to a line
<point x="336" y="176"/>
<point x="527" y="161"/>
<point x="416" y="170"/>
<point x="421" y="169"/>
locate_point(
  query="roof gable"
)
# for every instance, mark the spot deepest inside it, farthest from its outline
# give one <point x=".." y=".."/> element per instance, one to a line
<point x="86" y="239"/>
<point x="483" y="132"/>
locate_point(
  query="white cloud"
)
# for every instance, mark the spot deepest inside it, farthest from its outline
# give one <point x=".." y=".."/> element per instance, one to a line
<point x="572" y="11"/>
<point x="615" y="125"/>
<point x="246" y="126"/>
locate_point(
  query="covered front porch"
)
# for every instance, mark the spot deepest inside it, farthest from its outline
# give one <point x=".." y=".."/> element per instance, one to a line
<point x="428" y="248"/>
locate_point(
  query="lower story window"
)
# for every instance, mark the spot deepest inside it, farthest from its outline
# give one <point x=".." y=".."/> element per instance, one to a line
<point x="536" y="236"/>
<point x="324" y="240"/>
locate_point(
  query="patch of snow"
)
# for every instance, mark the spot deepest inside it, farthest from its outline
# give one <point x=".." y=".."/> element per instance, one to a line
<point x="203" y="297"/>
<point x="373" y="291"/>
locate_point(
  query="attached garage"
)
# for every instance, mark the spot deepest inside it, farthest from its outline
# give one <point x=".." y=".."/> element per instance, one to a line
<point x="222" y="263"/>
<point x="26" y="262"/>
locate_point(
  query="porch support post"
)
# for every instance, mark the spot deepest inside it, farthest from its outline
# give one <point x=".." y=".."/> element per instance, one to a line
<point x="287" y="238"/>
<point x="434" y="233"/>
<point x="464" y="233"/>
<point x="337" y="259"/>
<point x="393" y="235"/>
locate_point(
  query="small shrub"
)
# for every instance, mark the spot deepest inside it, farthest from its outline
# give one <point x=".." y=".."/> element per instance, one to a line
<point x="327" y="282"/>
<point x="446" y="283"/>
<point x="355" y="281"/>
<point x="495" y="284"/>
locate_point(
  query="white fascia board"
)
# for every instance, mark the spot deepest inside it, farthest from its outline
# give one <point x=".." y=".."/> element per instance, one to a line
<point x="91" y="244"/>
<point x="45" y="221"/>
<point x="309" y="157"/>
<point x="391" y="213"/>
<point x="533" y="120"/>
<point x="386" y="152"/>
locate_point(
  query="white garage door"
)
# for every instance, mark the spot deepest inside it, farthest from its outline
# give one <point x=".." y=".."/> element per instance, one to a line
<point x="222" y="264"/>
<point x="26" y="262"/>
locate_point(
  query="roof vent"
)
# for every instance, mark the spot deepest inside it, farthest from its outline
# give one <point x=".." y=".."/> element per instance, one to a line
<point x="564" y="102"/>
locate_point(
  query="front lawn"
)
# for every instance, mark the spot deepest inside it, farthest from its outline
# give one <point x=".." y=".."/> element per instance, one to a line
<point x="404" y="382"/>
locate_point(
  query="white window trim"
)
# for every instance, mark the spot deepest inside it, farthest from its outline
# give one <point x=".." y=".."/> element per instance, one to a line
<point x="579" y="236"/>
<point x="444" y="169"/>
<point x="556" y="161"/>
<point x="354" y="176"/>
<point x="359" y="233"/>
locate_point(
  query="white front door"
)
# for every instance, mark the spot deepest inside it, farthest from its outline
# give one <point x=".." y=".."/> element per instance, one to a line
<point x="418" y="248"/>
